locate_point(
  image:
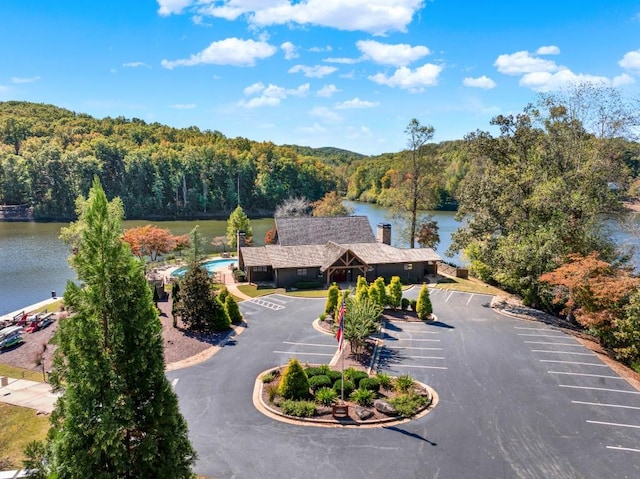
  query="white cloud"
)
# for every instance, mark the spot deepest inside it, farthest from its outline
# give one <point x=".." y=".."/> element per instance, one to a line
<point x="315" y="128"/>
<point x="522" y="62"/>
<point x="135" y="65"/>
<point x="413" y="80"/>
<point x="327" y="115"/>
<point x="356" y="103"/>
<point x="546" y="81"/>
<point x="167" y="7"/>
<point x="289" y="50"/>
<point x="631" y="60"/>
<point x="344" y="61"/>
<point x="548" y="50"/>
<point x="327" y="48"/>
<point x="480" y="82"/>
<point x="623" y="79"/>
<point x="373" y="16"/>
<point x="398" y="55"/>
<point x="271" y="95"/>
<point x="317" y="71"/>
<point x="24" y="80"/>
<point x="327" y="91"/>
<point x="184" y="106"/>
<point x="230" y="51"/>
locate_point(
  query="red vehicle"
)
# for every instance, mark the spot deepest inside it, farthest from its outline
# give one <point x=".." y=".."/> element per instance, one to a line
<point x="32" y="327"/>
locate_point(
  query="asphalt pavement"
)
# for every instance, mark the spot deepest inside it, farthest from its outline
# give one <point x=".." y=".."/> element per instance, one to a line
<point x="518" y="399"/>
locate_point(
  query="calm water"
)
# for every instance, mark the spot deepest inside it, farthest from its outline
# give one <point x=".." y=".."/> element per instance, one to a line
<point x="33" y="261"/>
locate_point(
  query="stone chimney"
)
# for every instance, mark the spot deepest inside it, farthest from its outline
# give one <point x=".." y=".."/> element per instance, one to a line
<point x="384" y="233"/>
<point x="240" y="243"/>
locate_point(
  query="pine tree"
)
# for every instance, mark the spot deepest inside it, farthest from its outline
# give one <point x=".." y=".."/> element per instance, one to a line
<point x="238" y="221"/>
<point x="423" y="306"/>
<point x="118" y="416"/>
<point x="198" y="307"/>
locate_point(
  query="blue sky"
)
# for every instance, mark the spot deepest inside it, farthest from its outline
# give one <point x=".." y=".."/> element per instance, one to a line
<point x="343" y="73"/>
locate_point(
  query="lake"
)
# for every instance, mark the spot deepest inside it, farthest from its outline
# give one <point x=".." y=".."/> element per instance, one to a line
<point x="33" y="261"/>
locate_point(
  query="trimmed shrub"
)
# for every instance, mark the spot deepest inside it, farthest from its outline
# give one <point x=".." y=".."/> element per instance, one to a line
<point x="348" y="387"/>
<point x="405" y="304"/>
<point x="414" y="303"/>
<point x="313" y="371"/>
<point x="294" y="383"/>
<point x="423" y="306"/>
<point x="394" y="294"/>
<point x="403" y="383"/>
<point x="408" y="404"/>
<point x="385" y="380"/>
<point x="370" y="384"/>
<point x="309" y="284"/>
<point x="354" y="375"/>
<point x="334" y="375"/>
<point x="362" y="397"/>
<point x="331" y="304"/>
<point x="267" y="378"/>
<point x="326" y="396"/>
<point x="298" y="408"/>
<point x="231" y="306"/>
<point x="323" y="316"/>
<point x="239" y="275"/>
<point x="320" y="381"/>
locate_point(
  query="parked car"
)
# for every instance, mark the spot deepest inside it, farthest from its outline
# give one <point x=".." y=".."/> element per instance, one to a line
<point x="46" y="320"/>
<point x="32" y="327"/>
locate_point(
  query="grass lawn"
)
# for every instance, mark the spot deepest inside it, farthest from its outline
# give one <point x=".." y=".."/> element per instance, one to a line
<point x="467" y="285"/>
<point x="18" y="427"/>
<point x="20" y="373"/>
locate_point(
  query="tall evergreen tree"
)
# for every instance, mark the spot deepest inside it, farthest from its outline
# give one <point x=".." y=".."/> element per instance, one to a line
<point x="118" y="416"/>
<point x="238" y="221"/>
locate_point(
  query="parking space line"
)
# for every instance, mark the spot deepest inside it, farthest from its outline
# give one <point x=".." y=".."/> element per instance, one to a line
<point x="294" y="353"/>
<point x="174" y="382"/>
<point x="572" y="362"/>
<point x="561" y="352"/>
<point x="386" y="331"/>
<point x="311" y="344"/>
<point x="543" y="335"/>
<point x="599" y="389"/>
<point x="450" y="294"/>
<point x="634" y="426"/>
<point x="535" y="329"/>
<point x="620" y="448"/>
<point x="420" y="340"/>
<point x="424" y="357"/>
<point x="605" y="404"/>
<point x="576" y="345"/>
<point x="585" y="374"/>
<point x="469" y="300"/>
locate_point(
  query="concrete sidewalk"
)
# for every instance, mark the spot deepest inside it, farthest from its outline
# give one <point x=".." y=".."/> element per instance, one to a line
<point x="31" y="394"/>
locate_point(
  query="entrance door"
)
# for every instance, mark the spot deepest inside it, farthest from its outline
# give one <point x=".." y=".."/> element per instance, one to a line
<point x="339" y="276"/>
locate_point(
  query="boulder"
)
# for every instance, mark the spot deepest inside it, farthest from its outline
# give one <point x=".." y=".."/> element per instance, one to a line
<point x="384" y="407"/>
<point x="363" y="413"/>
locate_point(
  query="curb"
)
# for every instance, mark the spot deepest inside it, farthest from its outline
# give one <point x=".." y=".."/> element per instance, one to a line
<point x="263" y="408"/>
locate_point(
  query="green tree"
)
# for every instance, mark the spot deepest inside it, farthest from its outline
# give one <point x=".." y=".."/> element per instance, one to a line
<point x="378" y="292"/>
<point x="362" y="288"/>
<point x="627" y="333"/>
<point x="331" y="205"/>
<point x="198" y="306"/>
<point x="238" y="221"/>
<point x="360" y="321"/>
<point x="118" y="415"/>
<point x="423" y="306"/>
<point x="232" y="309"/>
<point x="331" y="304"/>
<point x="294" y="383"/>
<point x="196" y="249"/>
<point x="395" y="292"/>
<point x="428" y="236"/>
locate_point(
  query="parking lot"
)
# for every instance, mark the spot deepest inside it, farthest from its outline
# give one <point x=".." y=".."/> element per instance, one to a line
<point x="517" y="399"/>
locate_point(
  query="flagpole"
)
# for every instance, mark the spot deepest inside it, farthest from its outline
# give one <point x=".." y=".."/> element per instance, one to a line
<point x="342" y="382"/>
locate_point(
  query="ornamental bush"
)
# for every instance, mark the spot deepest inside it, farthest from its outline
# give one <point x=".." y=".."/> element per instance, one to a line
<point x="354" y="375"/>
<point x="331" y="304"/>
<point x="348" y="387"/>
<point x="405" y="304"/>
<point x="362" y="397"/>
<point x="298" y="408"/>
<point x="370" y="384"/>
<point x="408" y="404"/>
<point x="294" y="383"/>
<point x="334" y="375"/>
<point x="231" y="306"/>
<point x="403" y="383"/>
<point x="326" y="396"/>
<point x="423" y="306"/>
<point x="385" y="380"/>
<point x="394" y="296"/>
<point x="320" y="381"/>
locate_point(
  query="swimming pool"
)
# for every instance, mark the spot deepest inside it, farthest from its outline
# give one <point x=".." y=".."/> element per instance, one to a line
<point x="211" y="266"/>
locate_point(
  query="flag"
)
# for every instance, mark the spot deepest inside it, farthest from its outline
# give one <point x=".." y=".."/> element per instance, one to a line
<point x="340" y="332"/>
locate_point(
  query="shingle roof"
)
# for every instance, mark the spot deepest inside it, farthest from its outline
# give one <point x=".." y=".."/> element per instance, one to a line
<point x="309" y="230"/>
<point x="323" y="256"/>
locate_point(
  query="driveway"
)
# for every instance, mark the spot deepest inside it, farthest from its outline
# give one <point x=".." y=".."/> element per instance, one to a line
<point x="518" y="399"/>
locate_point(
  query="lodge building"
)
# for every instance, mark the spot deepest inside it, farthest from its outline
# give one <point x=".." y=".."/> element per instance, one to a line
<point x="332" y="249"/>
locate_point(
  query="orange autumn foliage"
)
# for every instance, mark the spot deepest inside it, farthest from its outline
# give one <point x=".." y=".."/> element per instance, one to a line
<point x="592" y="290"/>
<point x="149" y="240"/>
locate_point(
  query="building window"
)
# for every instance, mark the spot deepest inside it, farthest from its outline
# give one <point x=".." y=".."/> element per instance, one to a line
<point x="302" y="272"/>
<point x="408" y="266"/>
<point x="260" y="269"/>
